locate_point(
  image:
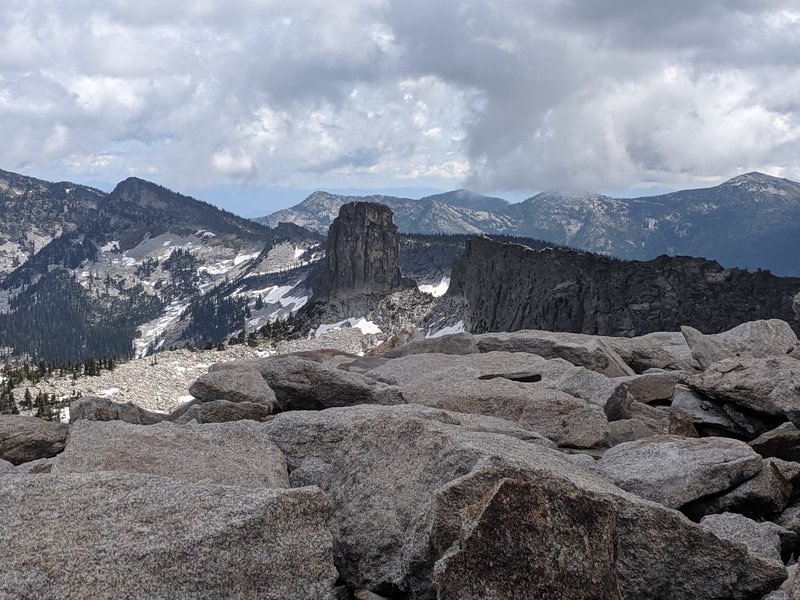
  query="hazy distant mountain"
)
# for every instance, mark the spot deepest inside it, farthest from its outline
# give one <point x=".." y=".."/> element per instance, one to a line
<point x="751" y="221"/>
<point x="454" y="212"/>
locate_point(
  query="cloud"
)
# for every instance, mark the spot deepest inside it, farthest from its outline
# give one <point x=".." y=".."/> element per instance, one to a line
<point x="502" y="94"/>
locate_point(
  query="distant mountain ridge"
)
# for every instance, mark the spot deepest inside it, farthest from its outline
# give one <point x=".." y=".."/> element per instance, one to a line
<point x="751" y="221"/>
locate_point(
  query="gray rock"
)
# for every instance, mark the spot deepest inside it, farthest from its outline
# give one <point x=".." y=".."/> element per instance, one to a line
<point x="582" y="351"/>
<point x="758" y="339"/>
<point x="629" y="430"/>
<point x="225" y="453"/>
<point x="796" y="306"/>
<point x="550" y="514"/>
<point x="126" y="535"/>
<point x="761" y="539"/>
<point x="6" y="467"/>
<point x="305" y="385"/>
<point x="23" y="439"/>
<point x="702" y="411"/>
<point x="766" y="385"/>
<point x="610" y="394"/>
<point x="705" y="350"/>
<point x="399" y="477"/>
<point x="790" y="470"/>
<point x="506" y="385"/>
<point x="421" y="369"/>
<point x="675" y="470"/>
<point x="789" y="518"/>
<point x="233" y="385"/>
<point x="659" y="350"/>
<point x="750" y="423"/>
<point x="222" y="411"/>
<point x="456" y="343"/>
<point x="765" y="494"/>
<point x="37" y="467"/>
<point x="92" y="408"/>
<point x="781" y="442"/>
<point x="652" y="387"/>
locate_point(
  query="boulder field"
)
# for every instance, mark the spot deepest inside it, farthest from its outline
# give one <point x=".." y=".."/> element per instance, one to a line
<point x="499" y="466"/>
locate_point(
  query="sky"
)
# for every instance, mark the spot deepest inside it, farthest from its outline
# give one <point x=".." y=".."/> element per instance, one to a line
<point x="253" y="103"/>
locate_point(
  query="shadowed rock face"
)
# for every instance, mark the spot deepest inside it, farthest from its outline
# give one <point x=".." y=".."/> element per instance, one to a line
<point x="361" y="254"/>
<point x="510" y="287"/>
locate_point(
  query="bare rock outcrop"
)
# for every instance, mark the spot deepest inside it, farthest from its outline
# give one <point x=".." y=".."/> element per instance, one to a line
<point x="128" y="535"/>
<point x="225" y="453"/>
<point x="509" y="287"/>
<point x="95" y="408"/>
<point x="401" y="481"/>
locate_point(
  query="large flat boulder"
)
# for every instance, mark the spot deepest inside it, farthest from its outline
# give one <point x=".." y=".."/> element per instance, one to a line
<point x="225" y="453"/>
<point x="674" y="470"/>
<point x="610" y="394"/>
<point x="580" y="350"/>
<point x="23" y="439"/>
<point x="233" y="385"/>
<point x="401" y="481"/>
<point x="705" y="350"/>
<point x="765" y="385"/>
<point x="128" y="535"/>
<point x="511" y="386"/>
<point x="95" y="408"/>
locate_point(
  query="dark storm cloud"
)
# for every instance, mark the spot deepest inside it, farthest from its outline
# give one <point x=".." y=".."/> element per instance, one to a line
<point x="501" y="93"/>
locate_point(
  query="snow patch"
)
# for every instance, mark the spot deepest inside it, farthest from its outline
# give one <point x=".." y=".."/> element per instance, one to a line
<point x="109" y="392"/>
<point x="244" y="258"/>
<point x="361" y="323"/>
<point x="167" y="243"/>
<point x="110" y="247"/>
<point x="457" y="328"/>
<point x="298" y="252"/>
<point x="436" y="290"/>
<point x="153" y="329"/>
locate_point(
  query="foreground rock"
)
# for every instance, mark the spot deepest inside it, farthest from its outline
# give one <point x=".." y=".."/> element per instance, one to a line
<point x="761" y="539"/>
<point x="143" y="536"/>
<point x="674" y="470"/>
<point x="401" y="480"/>
<point x="95" y="408"/>
<point x="225" y="453"/>
<point x="764" y="495"/>
<point x="754" y="339"/>
<point x="23" y="439"/>
<point x="506" y="385"/>
<point x="582" y="351"/>
<point x="222" y="411"/>
<point x="233" y="385"/>
<point x="550" y="514"/>
<point x="782" y="442"/>
<point x="766" y="385"/>
<point x="307" y="385"/>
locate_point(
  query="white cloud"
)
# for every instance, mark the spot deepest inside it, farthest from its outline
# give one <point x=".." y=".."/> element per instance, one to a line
<point x="505" y="94"/>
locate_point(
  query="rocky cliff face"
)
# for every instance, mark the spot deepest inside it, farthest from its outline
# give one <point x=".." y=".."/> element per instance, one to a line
<point x="510" y="287"/>
<point x="361" y="264"/>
